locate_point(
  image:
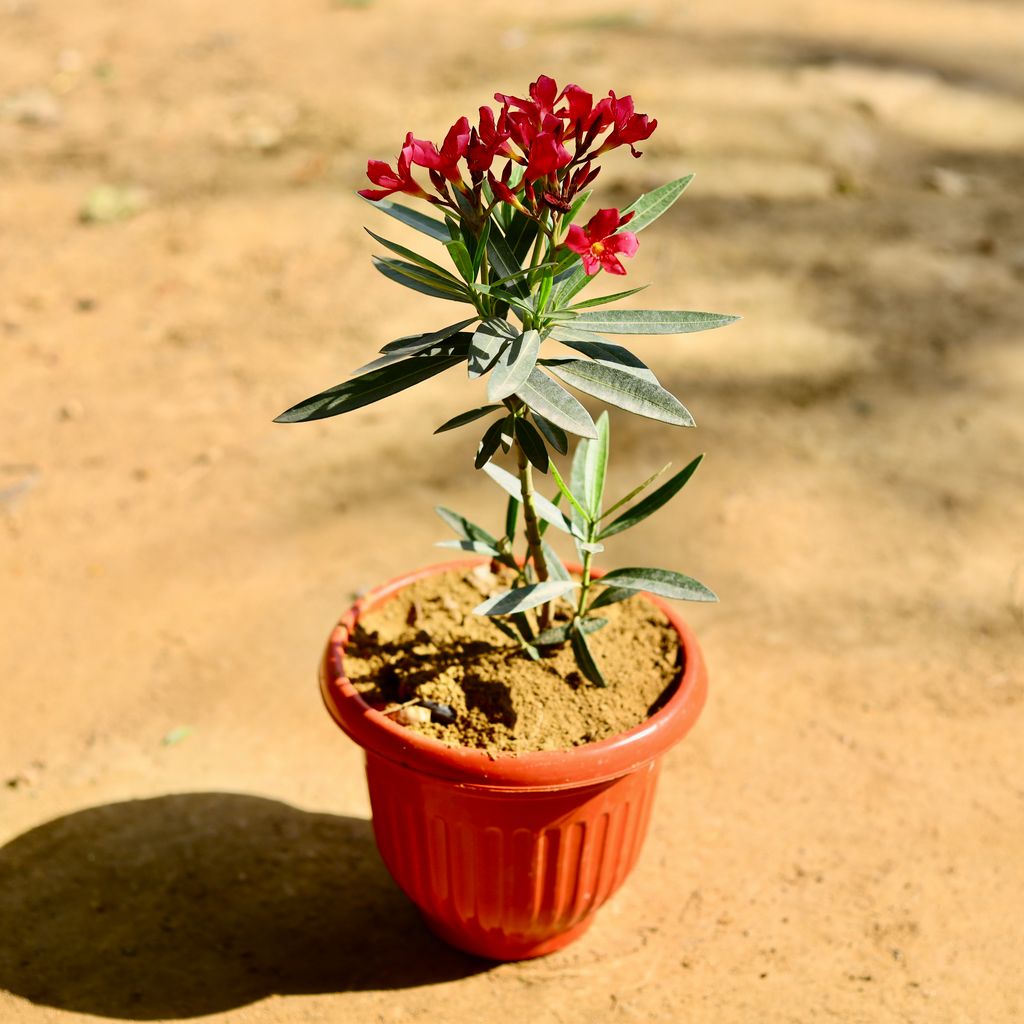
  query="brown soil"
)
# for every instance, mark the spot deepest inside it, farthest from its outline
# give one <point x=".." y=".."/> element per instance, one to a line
<point x="426" y="643"/>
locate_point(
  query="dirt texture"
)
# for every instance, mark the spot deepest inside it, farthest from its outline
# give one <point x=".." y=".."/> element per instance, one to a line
<point x="427" y="645"/>
<point x="183" y="831"/>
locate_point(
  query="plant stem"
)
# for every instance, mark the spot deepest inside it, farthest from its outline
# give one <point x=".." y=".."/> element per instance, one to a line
<point x="585" y="581"/>
<point x="532" y="529"/>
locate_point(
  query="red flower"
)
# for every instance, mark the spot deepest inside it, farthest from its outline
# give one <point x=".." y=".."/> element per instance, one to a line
<point x="391" y="181"/>
<point x="546" y="154"/>
<point x="487" y="141"/>
<point x="544" y="95"/>
<point x="456" y="142"/>
<point x="629" y="127"/>
<point x="598" y="244"/>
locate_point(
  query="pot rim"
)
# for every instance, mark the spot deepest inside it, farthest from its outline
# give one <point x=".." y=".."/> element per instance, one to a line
<point x="587" y="764"/>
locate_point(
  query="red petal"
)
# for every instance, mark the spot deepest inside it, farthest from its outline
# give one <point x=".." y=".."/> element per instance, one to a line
<point x="624" y="242"/>
<point x="591" y="264"/>
<point x="611" y="264"/>
<point x="602" y="224"/>
<point x="577" y="240"/>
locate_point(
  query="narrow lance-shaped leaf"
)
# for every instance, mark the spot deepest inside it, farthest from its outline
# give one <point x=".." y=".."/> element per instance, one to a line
<point x="402" y="344"/>
<point x="610" y="595"/>
<point x="588" y="665"/>
<point x="559" y="634"/>
<point x="541" y="394"/>
<point x="580" y="516"/>
<point x="369" y="388"/>
<point x="463" y="527"/>
<point x="503" y="259"/>
<point x="651" y="205"/>
<point x="414" y="257"/>
<point x="622" y="389"/>
<point x="514" y="364"/>
<point x="604" y="300"/>
<point x="511" y="518"/>
<point x="493" y="335"/>
<point x="466" y="417"/>
<point x="523" y="598"/>
<point x="532" y="444"/>
<point x="555" y="435"/>
<point x="602" y="351"/>
<point x="489" y="443"/>
<point x="663" y="582"/>
<point x="419" y="280"/>
<point x="476" y="546"/>
<point x="596" y="465"/>
<point x="413" y="218"/>
<point x="461" y="258"/>
<point x="556" y="570"/>
<point x="544" y="508"/>
<point x="438" y="343"/>
<point x="651" y="321"/>
<point x="652" y="502"/>
<point x="636" y="490"/>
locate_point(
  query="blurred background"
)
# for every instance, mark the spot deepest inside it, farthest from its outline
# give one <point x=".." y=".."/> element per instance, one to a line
<point x="183" y="257"/>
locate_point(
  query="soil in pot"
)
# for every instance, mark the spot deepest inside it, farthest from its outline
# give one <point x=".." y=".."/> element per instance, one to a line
<point x="426" y="644"/>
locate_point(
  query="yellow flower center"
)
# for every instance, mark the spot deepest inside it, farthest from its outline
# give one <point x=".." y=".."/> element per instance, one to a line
<point x="597" y="248"/>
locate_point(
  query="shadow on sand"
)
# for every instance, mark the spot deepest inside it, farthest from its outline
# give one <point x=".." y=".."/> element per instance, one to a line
<point x="191" y="904"/>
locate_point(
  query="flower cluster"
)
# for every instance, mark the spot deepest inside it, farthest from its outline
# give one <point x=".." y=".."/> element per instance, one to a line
<point x="548" y="142"/>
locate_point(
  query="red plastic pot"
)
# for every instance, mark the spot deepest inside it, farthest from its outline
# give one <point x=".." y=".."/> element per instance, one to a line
<point x="508" y="857"/>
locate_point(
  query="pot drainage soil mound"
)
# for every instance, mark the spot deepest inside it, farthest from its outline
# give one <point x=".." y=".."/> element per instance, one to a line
<point x="427" y="644"/>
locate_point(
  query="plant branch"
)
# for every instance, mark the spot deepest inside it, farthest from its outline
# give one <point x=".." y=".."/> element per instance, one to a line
<point x="532" y="529"/>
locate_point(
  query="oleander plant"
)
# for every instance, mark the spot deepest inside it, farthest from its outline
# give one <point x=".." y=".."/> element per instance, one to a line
<point x="502" y="201"/>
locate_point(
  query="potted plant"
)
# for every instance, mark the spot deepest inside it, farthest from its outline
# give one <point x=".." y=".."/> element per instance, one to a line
<point x="509" y="846"/>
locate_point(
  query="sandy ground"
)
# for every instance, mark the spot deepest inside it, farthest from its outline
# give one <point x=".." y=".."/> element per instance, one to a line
<point x="183" y="831"/>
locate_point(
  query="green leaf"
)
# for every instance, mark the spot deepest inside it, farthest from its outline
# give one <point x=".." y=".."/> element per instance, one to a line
<point x="559" y="634"/>
<point x="663" y="582"/>
<point x="602" y="351"/>
<point x="514" y="365"/>
<point x="522" y="598"/>
<point x="651" y="321"/>
<point x="652" y="502"/>
<point x="636" y="490"/>
<point x="443" y="342"/>
<point x="419" y="280"/>
<point x="503" y="259"/>
<point x="610" y="595"/>
<point x="466" y="417"/>
<point x="511" y="518"/>
<point x="532" y="444"/>
<point x="555" y="435"/>
<point x="461" y="258"/>
<point x="542" y="395"/>
<point x="520" y="235"/>
<point x="489" y="442"/>
<point x="585" y="660"/>
<point x="469" y="545"/>
<point x="369" y="388"/>
<point x="400" y="344"/>
<point x="556" y="570"/>
<point x="544" y="508"/>
<point x="580" y="516"/>
<point x="651" y="205"/>
<point x="493" y="335"/>
<point x="481" y="247"/>
<point x="577" y="205"/>
<point x="518" y="632"/>
<point x="595" y="467"/>
<point x="412" y="218"/>
<point x="622" y="389"/>
<point x="464" y="528"/>
<point x="603" y="300"/>
<point x="414" y="257"/>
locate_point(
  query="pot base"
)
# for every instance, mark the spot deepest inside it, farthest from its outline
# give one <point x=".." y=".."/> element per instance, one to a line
<point x="496" y="946"/>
